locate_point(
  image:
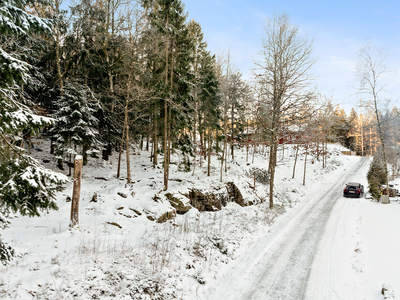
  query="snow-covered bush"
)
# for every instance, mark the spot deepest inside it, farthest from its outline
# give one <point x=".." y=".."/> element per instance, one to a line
<point x="261" y="175"/>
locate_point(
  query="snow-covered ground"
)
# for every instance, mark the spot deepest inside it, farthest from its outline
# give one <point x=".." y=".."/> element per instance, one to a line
<point x="118" y="252"/>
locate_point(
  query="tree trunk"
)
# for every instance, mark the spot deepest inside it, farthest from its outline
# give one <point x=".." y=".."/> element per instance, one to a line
<point x="169" y="146"/>
<point x="76" y="190"/>
<point x="128" y="163"/>
<point x="254" y="152"/>
<point x="58" y="56"/>
<point x="69" y="165"/>
<point x="29" y="144"/>
<point x="272" y="164"/>
<point x="165" y="143"/>
<point x="232" y="138"/>
<point x="305" y="167"/>
<point x="226" y="155"/>
<point x="222" y="161"/>
<point x="209" y="154"/>
<point x="126" y="122"/>
<point x="155" y="142"/>
<point x="85" y="156"/>
<point x="60" y="164"/>
<point x="147" y="141"/>
<point x="70" y="159"/>
<point x="295" y="161"/>
<point x="105" y="155"/>
<point x="120" y="148"/>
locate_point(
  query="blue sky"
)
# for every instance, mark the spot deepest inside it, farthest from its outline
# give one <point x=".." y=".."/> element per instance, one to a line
<point x="339" y="29"/>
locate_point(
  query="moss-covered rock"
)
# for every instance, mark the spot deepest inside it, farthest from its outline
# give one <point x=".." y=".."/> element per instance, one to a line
<point x="177" y="203"/>
<point x="166" y="216"/>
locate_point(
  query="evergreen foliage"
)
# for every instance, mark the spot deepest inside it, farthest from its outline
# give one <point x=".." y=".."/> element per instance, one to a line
<point x="210" y="99"/>
<point x="376" y="176"/>
<point x="16" y="22"/>
<point x="25" y="186"/>
<point x="76" y="124"/>
<point x="259" y="174"/>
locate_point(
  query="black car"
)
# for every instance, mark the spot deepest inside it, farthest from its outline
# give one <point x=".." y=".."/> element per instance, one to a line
<point x="353" y="189"/>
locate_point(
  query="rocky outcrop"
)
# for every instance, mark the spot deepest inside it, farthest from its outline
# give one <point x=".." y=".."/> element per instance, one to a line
<point x="234" y="194"/>
<point x="213" y="201"/>
<point x="206" y="201"/>
<point x="177" y="203"/>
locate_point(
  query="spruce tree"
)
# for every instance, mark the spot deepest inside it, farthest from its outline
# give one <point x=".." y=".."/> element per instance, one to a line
<point x="172" y="78"/>
<point x="76" y="127"/>
<point x="25" y="186"/>
<point x="210" y="101"/>
<point x="376" y="175"/>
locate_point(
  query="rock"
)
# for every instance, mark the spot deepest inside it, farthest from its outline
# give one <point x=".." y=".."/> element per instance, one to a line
<point x="123" y="195"/>
<point x="234" y="194"/>
<point x="206" y="201"/>
<point x="102" y="178"/>
<point x="178" y="204"/>
<point x="199" y="277"/>
<point x="136" y="211"/>
<point x="176" y="179"/>
<point x="157" y="198"/>
<point x="213" y="201"/>
<point x="114" y="224"/>
<point x="126" y="215"/>
<point x="94" y="198"/>
<point x="46" y="161"/>
<point x="68" y="199"/>
<point x="120" y="208"/>
<point x="151" y="218"/>
<point x="387" y="291"/>
<point x="219" y="243"/>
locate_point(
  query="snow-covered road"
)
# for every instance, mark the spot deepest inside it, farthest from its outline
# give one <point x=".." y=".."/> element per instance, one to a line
<point x="296" y="260"/>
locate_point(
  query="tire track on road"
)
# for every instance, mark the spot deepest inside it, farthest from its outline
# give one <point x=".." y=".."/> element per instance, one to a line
<point x="286" y="273"/>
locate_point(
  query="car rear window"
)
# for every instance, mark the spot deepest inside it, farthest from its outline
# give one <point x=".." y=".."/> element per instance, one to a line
<point x="351" y="187"/>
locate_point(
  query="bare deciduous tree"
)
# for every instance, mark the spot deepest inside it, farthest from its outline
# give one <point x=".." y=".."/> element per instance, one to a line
<point x="370" y="72"/>
<point x="284" y="75"/>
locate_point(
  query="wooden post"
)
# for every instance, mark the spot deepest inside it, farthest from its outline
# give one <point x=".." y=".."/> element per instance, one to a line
<point x="76" y="191"/>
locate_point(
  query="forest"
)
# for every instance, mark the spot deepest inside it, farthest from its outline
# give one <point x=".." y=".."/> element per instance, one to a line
<point x="104" y="77"/>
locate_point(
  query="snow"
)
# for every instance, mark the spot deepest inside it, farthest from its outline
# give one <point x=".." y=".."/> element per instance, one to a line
<point x="361" y="247"/>
<point x="117" y="252"/>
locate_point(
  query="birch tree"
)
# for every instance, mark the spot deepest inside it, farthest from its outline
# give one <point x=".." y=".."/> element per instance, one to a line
<point x="370" y="73"/>
<point x="284" y="74"/>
